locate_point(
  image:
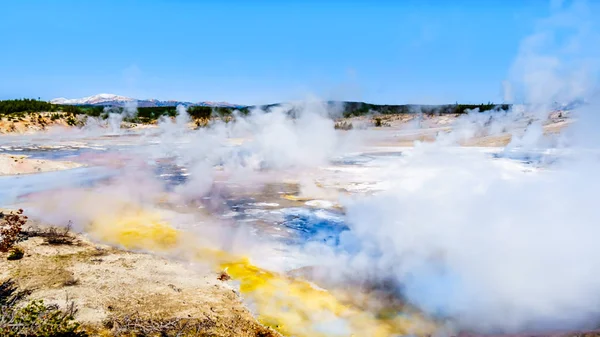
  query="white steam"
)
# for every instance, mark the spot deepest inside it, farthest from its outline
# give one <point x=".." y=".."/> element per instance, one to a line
<point x="490" y="249"/>
<point x="242" y="149"/>
<point x="115" y="118"/>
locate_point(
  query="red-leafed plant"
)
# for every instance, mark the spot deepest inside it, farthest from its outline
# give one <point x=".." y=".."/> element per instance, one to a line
<point x="10" y="229"/>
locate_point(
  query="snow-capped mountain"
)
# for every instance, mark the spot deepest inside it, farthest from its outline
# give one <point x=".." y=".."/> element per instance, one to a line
<point x="116" y="100"/>
<point x="96" y="99"/>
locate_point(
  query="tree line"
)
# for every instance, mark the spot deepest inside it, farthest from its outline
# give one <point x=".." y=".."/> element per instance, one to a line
<point x="25" y="105"/>
<point x="144" y="114"/>
<point x="360" y="108"/>
<point x="148" y="114"/>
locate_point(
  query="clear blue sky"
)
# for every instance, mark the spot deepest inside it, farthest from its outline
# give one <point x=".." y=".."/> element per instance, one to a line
<point x="252" y="52"/>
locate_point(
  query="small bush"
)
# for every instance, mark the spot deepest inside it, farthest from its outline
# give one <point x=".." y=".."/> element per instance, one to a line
<point x="39" y="319"/>
<point x="41" y="122"/>
<point x="71" y="121"/>
<point x="52" y="235"/>
<point x="343" y="125"/>
<point x="10" y="229"/>
<point x="36" y="318"/>
<point x="223" y="276"/>
<point x="58" y="236"/>
<point x="378" y="122"/>
<point x="202" y="123"/>
<point x="15" y="253"/>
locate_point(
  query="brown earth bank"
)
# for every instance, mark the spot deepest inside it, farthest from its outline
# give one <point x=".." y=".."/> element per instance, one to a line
<point x="32" y="123"/>
<point x="119" y="293"/>
<point x="26" y="123"/>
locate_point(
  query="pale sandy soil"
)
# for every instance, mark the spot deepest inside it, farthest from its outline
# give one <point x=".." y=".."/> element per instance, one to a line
<point x="401" y="130"/>
<point x="505" y="138"/>
<point x="407" y="127"/>
<point x="108" y="284"/>
<point x="18" y="164"/>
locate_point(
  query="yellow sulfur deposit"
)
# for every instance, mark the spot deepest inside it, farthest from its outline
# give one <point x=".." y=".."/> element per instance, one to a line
<point x="293" y="307"/>
<point x="292" y="197"/>
<point x="136" y="230"/>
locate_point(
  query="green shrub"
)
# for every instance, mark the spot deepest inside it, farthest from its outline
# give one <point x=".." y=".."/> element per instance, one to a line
<point x="38" y="319"/>
<point x="71" y="121"/>
<point x="34" y="319"/>
<point x="377" y="121"/>
<point x="15" y="253"/>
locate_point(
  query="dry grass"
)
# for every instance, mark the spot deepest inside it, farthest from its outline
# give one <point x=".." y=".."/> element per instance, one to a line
<point x="176" y="314"/>
<point x="52" y="273"/>
<point x="137" y="326"/>
<point x="53" y="235"/>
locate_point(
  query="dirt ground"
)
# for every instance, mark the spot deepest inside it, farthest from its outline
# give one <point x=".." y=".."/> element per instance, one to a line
<point x="111" y="287"/>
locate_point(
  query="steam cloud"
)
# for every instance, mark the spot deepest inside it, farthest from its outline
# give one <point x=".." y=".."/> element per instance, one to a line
<point x="492" y="251"/>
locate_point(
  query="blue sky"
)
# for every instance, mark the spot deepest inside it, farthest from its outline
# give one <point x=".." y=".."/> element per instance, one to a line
<point x="251" y="52"/>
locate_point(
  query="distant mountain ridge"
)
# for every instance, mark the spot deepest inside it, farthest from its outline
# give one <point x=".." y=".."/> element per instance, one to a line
<point x="117" y="100"/>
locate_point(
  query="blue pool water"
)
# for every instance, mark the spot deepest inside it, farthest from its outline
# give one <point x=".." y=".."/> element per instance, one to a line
<point x="314" y="225"/>
<point x="528" y="158"/>
<point x="11" y="187"/>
